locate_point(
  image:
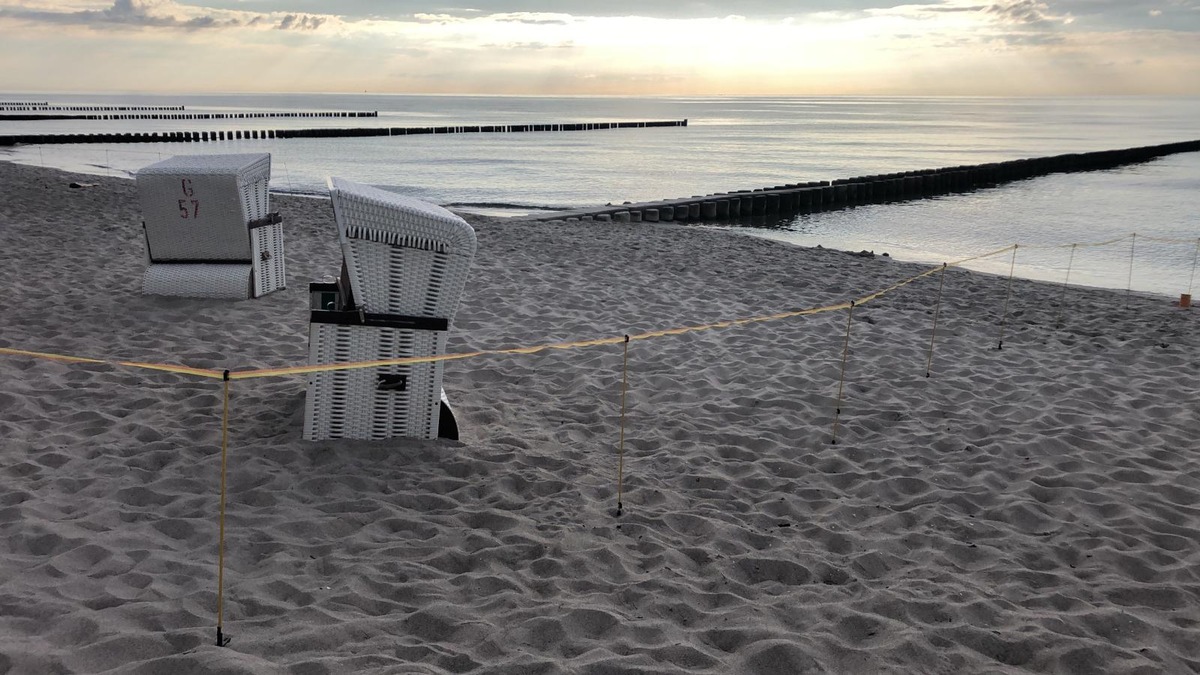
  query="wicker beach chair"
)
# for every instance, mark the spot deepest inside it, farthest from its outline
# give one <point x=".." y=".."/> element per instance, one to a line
<point x="405" y="263"/>
<point x="209" y="232"/>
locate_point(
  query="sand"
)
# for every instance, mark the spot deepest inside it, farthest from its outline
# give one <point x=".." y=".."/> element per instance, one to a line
<point x="1035" y="508"/>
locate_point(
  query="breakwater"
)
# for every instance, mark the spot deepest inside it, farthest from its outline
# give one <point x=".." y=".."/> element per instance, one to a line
<point x="34" y="117"/>
<point x="225" y="135"/>
<point x="817" y="196"/>
<point x="46" y="107"/>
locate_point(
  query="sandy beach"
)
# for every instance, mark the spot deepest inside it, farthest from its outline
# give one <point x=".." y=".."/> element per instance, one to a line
<point x="1035" y="508"/>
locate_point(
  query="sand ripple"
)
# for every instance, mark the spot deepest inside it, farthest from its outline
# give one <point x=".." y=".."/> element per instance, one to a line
<point x="1031" y="509"/>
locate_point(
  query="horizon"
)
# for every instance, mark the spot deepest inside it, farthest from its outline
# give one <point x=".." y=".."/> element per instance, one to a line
<point x="817" y="48"/>
<point x="249" y="92"/>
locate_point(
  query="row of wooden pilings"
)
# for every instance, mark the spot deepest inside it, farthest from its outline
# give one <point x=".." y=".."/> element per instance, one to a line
<point x="820" y="196"/>
<point x="201" y="136"/>
<point x="37" y="117"/>
<point x="46" y="107"/>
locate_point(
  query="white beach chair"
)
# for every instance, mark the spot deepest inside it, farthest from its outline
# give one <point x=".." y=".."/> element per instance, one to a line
<point x="209" y="230"/>
<point x="405" y="263"/>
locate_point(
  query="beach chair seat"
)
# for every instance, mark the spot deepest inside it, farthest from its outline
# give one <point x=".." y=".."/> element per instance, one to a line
<point x="405" y="263"/>
<point x="208" y="227"/>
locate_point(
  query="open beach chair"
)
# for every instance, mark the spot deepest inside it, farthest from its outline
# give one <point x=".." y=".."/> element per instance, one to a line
<point x="209" y="230"/>
<point x="405" y="263"/>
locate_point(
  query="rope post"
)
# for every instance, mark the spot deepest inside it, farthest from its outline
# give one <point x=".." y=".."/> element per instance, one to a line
<point x="1007" y="296"/>
<point x="221" y="639"/>
<point x="621" y="444"/>
<point x="1062" y="301"/>
<point x="937" y="309"/>
<point x="1195" y="258"/>
<point x="1129" y="287"/>
<point x="837" y="413"/>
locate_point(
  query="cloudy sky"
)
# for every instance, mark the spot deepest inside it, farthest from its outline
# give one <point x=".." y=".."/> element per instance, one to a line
<point x="806" y="47"/>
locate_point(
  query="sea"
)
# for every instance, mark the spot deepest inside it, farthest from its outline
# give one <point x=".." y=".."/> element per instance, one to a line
<point x="728" y="144"/>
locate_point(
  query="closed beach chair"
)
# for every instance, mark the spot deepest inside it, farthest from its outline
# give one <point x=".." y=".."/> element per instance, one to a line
<point x="405" y="263"/>
<point x="209" y="230"/>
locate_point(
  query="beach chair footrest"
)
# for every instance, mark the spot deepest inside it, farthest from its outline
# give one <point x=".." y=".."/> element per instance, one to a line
<point x="199" y="280"/>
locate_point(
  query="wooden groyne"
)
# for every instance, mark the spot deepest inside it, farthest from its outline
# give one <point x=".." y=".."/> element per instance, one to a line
<point x="224" y="135"/>
<point x="817" y="196"/>
<point x="46" y="107"/>
<point x="34" y="117"/>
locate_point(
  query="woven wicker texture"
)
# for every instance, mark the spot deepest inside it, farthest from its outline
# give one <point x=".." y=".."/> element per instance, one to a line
<point x="350" y="404"/>
<point x="197" y="206"/>
<point x="269" y="272"/>
<point x="198" y="281"/>
<point x="404" y="256"/>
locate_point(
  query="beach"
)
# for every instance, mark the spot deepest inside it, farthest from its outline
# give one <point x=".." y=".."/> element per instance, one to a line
<point x="1030" y="508"/>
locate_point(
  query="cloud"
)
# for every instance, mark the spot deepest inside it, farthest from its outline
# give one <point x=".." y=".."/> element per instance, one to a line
<point x="443" y="19"/>
<point x="300" y="22"/>
<point x="535" y="46"/>
<point x="123" y="14"/>
<point x="1027" y="13"/>
<point x="532" y="19"/>
<point x="1032" y="39"/>
<point x="164" y="14"/>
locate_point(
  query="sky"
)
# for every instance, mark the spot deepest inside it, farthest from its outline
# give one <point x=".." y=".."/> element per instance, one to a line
<point x="609" y="47"/>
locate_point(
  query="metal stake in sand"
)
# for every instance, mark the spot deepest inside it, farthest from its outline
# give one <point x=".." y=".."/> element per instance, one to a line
<point x="221" y="640"/>
<point x="621" y="445"/>
<point x="1195" y="258"/>
<point x="1063" y="300"/>
<point x="1129" y="288"/>
<point x="937" y="308"/>
<point x="1007" y="296"/>
<point x="837" y="413"/>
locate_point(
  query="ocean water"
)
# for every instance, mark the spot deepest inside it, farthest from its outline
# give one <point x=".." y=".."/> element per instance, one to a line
<point x="734" y="143"/>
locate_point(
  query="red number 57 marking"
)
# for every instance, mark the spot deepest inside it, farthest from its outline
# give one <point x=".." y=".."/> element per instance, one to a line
<point x="183" y="208"/>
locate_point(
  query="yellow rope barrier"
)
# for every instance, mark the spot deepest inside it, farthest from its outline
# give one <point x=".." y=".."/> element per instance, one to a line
<point x="1166" y="240"/>
<point x="227" y="376"/>
<point x="49" y="357"/>
<point x="221" y="641"/>
<point x="1108" y="242"/>
<point x="534" y="349"/>
<point x="621" y="444"/>
<point x="981" y="256"/>
<point x="182" y="370"/>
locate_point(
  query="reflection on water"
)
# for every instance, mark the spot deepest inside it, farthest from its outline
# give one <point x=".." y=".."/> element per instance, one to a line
<point x="1045" y="216"/>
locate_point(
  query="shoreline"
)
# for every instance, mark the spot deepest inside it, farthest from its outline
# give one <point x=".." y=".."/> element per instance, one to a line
<point x="921" y="257"/>
<point x="1025" y="509"/>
